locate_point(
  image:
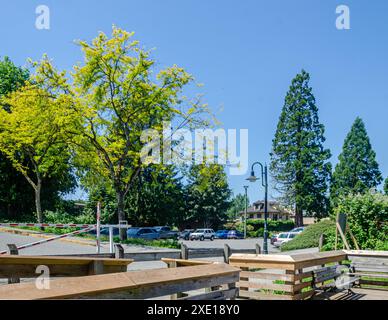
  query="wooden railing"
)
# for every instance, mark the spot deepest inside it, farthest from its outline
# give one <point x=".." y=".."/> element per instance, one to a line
<point x="280" y="277"/>
<point x="15" y="267"/>
<point x="159" y="283"/>
<point x="371" y="267"/>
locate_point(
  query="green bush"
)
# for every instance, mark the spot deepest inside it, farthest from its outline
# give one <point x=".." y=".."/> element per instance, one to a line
<point x="167" y="243"/>
<point x="309" y="238"/>
<point x="367" y="216"/>
<point x="255" y="227"/>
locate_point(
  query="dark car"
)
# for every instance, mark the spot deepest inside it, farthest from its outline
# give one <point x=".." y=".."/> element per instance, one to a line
<point x="274" y="238"/>
<point x="166" y="233"/>
<point x="234" y="234"/>
<point x="105" y="231"/>
<point x="222" y="234"/>
<point x="143" y="233"/>
<point x="185" y="234"/>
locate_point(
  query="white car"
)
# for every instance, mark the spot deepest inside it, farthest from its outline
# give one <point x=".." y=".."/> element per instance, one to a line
<point x="284" y="237"/>
<point x="202" y="234"/>
<point x="298" y="230"/>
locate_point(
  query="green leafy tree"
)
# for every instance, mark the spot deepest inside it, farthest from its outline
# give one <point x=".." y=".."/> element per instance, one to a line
<point x="299" y="161"/>
<point x="367" y="216"/>
<point x="157" y="197"/>
<point x="117" y="94"/>
<point x="32" y="133"/>
<point x="11" y="199"/>
<point x="357" y="170"/>
<point x="237" y="205"/>
<point x="207" y="196"/>
<point x="386" y="186"/>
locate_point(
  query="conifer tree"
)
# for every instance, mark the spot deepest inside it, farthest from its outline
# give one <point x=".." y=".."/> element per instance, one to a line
<point x="299" y="162"/>
<point x="357" y="170"/>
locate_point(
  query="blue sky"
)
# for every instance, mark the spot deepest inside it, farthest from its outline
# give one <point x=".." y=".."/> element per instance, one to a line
<point x="245" y="53"/>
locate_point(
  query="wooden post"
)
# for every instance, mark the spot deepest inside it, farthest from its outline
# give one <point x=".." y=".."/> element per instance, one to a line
<point x="13" y="250"/>
<point x="184" y="252"/>
<point x="96" y="267"/>
<point x="258" y="249"/>
<point x="227" y="253"/>
<point x="321" y="240"/>
<point x="119" y="251"/>
<point x="342" y="236"/>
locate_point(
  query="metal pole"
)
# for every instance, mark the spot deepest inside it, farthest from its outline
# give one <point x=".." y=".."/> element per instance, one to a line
<point x="246" y="211"/>
<point x="98" y="249"/>
<point x="266" y="210"/>
<point x="111" y="248"/>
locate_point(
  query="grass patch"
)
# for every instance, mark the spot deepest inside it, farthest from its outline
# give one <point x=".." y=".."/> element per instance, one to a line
<point x="309" y="238"/>
<point x="165" y="243"/>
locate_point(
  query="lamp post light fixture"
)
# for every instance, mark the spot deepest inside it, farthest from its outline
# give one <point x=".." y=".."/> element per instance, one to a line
<point x="246" y="211"/>
<point x="264" y="182"/>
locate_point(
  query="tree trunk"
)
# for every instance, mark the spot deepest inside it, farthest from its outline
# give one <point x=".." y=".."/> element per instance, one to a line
<point x="121" y="213"/>
<point x="38" y="205"/>
<point x="298" y="216"/>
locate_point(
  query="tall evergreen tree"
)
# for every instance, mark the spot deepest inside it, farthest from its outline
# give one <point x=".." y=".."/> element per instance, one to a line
<point x="357" y="170"/>
<point x="299" y="162"/>
<point x="386" y="186"/>
<point x="207" y="196"/>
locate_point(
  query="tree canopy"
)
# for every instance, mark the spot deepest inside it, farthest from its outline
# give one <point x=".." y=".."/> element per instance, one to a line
<point x="357" y="170"/>
<point x="208" y="194"/>
<point x="32" y="133"/>
<point x="299" y="161"/>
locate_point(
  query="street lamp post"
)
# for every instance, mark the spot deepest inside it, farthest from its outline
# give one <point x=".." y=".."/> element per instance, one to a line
<point x="246" y="211"/>
<point x="264" y="182"/>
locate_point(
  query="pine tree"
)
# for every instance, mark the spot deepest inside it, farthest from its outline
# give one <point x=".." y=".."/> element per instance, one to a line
<point x="299" y="162"/>
<point x="357" y="170"/>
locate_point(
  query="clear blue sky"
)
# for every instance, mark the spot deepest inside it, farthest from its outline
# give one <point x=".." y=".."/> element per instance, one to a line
<point x="245" y="52"/>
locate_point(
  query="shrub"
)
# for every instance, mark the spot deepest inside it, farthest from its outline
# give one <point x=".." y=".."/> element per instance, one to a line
<point x="367" y="216"/>
<point x="309" y="238"/>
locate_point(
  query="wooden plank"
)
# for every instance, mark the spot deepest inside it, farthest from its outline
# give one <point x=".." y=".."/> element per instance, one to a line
<point x="373" y="282"/>
<point x="303" y="295"/>
<point x="267" y="276"/>
<point x="371" y="268"/>
<point x="263" y="296"/>
<point x="57" y="260"/>
<point x="269" y="286"/>
<point x="135" y="285"/>
<point x="184" y="263"/>
<point x="214" y="295"/>
<point x="262" y="265"/>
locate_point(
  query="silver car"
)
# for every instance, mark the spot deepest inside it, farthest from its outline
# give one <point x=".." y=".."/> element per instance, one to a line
<point x="202" y="234"/>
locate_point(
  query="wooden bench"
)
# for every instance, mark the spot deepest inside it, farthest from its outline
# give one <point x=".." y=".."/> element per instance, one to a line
<point x="134" y="285"/>
<point x="333" y="277"/>
<point x="16" y="267"/>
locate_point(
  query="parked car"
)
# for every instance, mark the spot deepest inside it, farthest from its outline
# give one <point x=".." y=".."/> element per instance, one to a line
<point x="298" y="230"/>
<point x="185" y="234"/>
<point x="143" y="233"/>
<point x="166" y="233"/>
<point x="105" y="231"/>
<point x="202" y="234"/>
<point x="222" y="234"/>
<point x="274" y="238"/>
<point x="284" y="237"/>
<point x="234" y="234"/>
